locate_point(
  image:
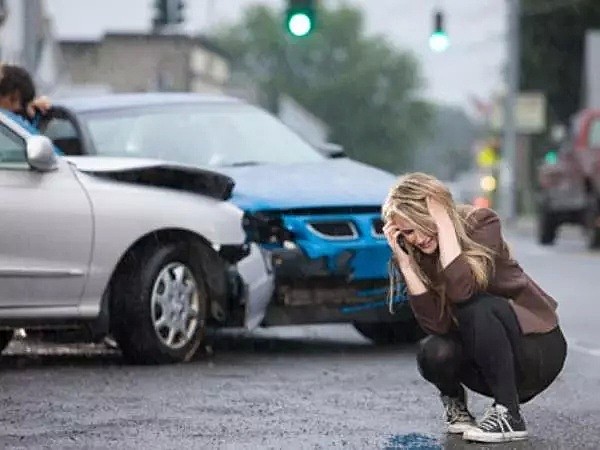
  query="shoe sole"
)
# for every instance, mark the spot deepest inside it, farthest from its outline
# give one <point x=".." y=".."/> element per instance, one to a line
<point x="492" y="438"/>
<point x="460" y="428"/>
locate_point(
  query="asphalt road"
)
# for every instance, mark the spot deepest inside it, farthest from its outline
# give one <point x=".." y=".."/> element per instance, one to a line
<point x="295" y="387"/>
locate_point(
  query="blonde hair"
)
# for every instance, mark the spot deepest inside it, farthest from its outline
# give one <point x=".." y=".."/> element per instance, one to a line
<point x="407" y="199"/>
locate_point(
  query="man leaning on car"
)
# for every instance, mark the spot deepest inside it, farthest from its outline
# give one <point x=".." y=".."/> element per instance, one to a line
<point x="18" y="97"/>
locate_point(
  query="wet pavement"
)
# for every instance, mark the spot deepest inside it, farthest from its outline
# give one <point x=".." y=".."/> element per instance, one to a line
<point x="312" y="387"/>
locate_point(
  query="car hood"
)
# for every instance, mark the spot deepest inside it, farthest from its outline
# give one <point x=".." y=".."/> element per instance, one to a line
<point x="157" y="173"/>
<point x="329" y="183"/>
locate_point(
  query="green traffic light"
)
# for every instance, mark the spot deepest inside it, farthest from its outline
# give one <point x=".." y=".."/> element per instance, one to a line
<point x="299" y="24"/>
<point x="551" y="158"/>
<point x="439" y="41"/>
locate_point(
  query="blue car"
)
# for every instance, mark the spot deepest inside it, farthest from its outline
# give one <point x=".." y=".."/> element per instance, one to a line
<point x="315" y="215"/>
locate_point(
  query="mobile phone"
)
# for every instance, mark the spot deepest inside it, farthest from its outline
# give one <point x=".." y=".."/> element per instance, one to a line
<point x="402" y="243"/>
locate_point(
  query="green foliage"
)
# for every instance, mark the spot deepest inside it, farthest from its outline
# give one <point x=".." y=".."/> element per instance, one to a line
<point x="362" y="87"/>
<point x="448" y="151"/>
<point x="553" y="51"/>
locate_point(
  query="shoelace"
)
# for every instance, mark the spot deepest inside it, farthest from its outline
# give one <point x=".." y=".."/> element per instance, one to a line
<point x="456" y="411"/>
<point x="494" y="418"/>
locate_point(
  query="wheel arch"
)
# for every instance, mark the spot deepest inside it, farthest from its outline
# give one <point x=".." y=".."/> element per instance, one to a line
<point x="211" y="263"/>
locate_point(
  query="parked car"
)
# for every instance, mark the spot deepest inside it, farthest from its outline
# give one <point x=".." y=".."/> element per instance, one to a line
<point x="570" y="182"/>
<point x="315" y="212"/>
<point x="148" y="251"/>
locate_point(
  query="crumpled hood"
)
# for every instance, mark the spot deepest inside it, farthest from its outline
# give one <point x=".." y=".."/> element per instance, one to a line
<point x="328" y="183"/>
<point x="157" y="173"/>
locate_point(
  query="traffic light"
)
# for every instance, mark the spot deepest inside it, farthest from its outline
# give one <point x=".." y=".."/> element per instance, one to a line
<point x="168" y="12"/>
<point x="300" y="17"/>
<point x="439" y="41"/>
<point x="162" y="13"/>
<point x="551" y="157"/>
<point x="176" y="13"/>
<point x="488" y="183"/>
<point x="2" y="11"/>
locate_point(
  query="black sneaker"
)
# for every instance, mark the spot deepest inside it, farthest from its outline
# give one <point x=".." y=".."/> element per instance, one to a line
<point x="497" y="425"/>
<point x="458" y="417"/>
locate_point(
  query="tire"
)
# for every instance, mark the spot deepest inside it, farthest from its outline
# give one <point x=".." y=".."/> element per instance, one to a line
<point x="140" y="301"/>
<point x="390" y="333"/>
<point x="547" y="226"/>
<point x="592" y="231"/>
<point x="5" y="338"/>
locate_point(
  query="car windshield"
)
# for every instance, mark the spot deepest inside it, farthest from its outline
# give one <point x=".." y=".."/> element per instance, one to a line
<point x="199" y="135"/>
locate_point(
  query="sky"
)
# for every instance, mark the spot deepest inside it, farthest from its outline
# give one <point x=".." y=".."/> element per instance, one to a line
<point x="472" y="66"/>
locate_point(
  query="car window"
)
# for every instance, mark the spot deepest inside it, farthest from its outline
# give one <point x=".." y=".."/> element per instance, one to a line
<point x="594" y="136"/>
<point x="12" y="149"/>
<point x="198" y="135"/>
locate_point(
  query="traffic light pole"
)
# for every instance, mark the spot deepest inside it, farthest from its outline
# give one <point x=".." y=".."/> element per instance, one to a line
<point x="508" y="179"/>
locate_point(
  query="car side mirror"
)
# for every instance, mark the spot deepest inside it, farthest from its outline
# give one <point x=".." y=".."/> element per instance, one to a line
<point x="40" y="153"/>
<point x="331" y="150"/>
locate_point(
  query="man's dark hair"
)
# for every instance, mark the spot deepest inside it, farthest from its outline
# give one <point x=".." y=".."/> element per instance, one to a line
<point x="16" y="79"/>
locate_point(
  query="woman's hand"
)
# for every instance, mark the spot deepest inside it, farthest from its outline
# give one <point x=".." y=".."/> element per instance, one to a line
<point x="448" y="244"/>
<point x="405" y="261"/>
<point x="437" y="211"/>
<point x="392" y="233"/>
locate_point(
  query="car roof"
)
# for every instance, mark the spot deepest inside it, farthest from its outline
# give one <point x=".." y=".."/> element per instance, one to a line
<point x="118" y="101"/>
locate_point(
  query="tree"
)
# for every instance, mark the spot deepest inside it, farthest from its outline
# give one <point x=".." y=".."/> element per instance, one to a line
<point x="552" y="51"/>
<point x="448" y="151"/>
<point x="362" y="87"/>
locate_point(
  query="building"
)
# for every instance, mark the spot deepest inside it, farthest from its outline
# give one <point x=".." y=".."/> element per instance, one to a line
<point x="134" y="62"/>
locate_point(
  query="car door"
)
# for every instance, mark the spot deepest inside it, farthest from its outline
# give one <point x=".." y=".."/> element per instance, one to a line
<point x="45" y="230"/>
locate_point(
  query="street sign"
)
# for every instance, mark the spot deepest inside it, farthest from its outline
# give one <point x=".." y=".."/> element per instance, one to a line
<point x="530" y="113"/>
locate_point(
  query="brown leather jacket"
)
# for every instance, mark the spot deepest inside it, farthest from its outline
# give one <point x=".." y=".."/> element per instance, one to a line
<point x="534" y="308"/>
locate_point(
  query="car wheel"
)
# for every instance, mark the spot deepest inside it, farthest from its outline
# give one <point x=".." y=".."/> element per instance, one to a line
<point x="390" y="333"/>
<point x="5" y="338"/>
<point x="547" y="226"/>
<point x="159" y="305"/>
<point x="592" y="215"/>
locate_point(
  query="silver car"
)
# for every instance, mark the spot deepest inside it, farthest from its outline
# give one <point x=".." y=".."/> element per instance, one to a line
<point x="147" y="251"/>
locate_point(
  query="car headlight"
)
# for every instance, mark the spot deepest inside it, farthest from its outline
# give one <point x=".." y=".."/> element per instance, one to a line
<point x="266" y="228"/>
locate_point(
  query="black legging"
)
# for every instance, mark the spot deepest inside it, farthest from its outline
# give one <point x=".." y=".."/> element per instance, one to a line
<point x="491" y="356"/>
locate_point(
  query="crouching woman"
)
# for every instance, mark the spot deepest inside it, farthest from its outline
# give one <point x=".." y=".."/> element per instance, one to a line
<point x="491" y="328"/>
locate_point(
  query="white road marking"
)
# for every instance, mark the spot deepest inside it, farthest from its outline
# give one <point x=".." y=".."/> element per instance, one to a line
<point x="584" y="349"/>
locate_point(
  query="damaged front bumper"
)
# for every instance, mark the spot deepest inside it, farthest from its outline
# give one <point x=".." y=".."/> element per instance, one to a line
<point x="258" y="278"/>
<point x="326" y="289"/>
<point x="328" y="266"/>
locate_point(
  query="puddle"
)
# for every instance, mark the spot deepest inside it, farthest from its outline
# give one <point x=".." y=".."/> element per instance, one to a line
<point x="416" y="441"/>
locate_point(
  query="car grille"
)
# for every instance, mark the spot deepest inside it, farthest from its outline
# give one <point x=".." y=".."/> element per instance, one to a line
<point x="334" y="229"/>
<point x="377" y="227"/>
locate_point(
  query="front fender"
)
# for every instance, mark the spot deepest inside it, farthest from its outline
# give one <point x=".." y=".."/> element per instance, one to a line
<point x="123" y="213"/>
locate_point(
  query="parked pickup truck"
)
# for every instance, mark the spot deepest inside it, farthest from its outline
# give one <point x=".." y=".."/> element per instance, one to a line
<point x="570" y="182"/>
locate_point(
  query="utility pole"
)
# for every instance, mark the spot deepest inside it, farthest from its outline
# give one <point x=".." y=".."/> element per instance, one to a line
<point x="32" y="22"/>
<point x="508" y="180"/>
